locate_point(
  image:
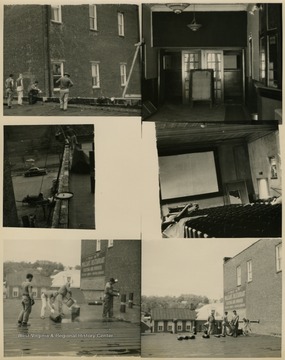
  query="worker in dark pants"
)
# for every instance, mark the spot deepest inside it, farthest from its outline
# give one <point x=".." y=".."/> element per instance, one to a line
<point x="27" y="301"/>
<point x="235" y="324"/>
<point x="109" y="294"/>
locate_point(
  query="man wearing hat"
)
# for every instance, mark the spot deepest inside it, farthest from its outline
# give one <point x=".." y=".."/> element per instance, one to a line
<point x="109" y="294"/>
<point x="48" y="298"/>
<point x="64" y="84"/>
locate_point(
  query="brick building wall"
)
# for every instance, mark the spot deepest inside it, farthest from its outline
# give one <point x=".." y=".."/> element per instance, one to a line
<point x="24" y="44"/>
<point x="72" y="43"/>
<point x="262" y="298"/>
<point x="122" y="260"/>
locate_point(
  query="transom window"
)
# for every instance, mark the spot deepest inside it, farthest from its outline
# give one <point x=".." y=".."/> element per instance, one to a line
<point x="93" y="17"/>
<point x="56" y="13"/>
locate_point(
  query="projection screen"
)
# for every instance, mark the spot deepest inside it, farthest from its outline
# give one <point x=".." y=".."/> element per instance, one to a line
<point x="188" y="175"/>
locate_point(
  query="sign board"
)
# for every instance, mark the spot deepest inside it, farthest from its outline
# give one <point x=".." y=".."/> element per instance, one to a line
<point x="234" y="299"/>
<point x="93" y="265"/>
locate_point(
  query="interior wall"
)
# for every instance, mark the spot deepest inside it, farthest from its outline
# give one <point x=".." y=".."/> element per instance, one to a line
<point x="219" y="29"/>
<point x="150" y="53"/>
<point x="253" y="31"/>
<point x="259" y="152"/>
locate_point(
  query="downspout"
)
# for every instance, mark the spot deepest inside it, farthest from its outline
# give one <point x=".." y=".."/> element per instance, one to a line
<point x="46" y="42"/>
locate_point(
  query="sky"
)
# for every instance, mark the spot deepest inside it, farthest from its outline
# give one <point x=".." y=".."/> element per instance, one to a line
<point x="66" y="251"/>
<point x="187" y="266"/>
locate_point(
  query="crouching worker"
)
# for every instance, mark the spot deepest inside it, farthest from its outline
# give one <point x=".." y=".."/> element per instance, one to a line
<point x="33" y="93"/>
<point x="48" y="298"/>
<point x="109" y="294"/>
<point x="62" y="292"/>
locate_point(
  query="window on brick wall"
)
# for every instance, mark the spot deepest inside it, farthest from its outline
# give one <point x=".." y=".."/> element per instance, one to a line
<point x="98" y="245"/>
<point x="188" y="325"/>
<point x="56" y="13"/>
<point x="93" y="17"/>
<point x="123" y="74"/>
<point x="110" y="243"/>
<point x="57" y="73"/>
<point x="238" y="276"/>
<point x="15" y="292"/>
<point x="249" y="270"/>
<point x="121" y="24"/>
<point x="95" y="68"/>
<point x="279" y="257"/>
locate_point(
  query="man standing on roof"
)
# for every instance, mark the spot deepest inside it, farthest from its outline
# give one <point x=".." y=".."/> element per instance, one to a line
<point x="48" y="298"/>
<point x="62" y="292"/>
<point x="109" y="294"/>
<point x="64" y="83"/>
<point x="212" y="322"/>
<point x="9" y="86"/>
<point x="27" y="301"/>
<point x="225" y="324"/>
<point x="235" y="324"/>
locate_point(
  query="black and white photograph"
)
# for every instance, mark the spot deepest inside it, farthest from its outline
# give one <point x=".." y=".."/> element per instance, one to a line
<point x="49" y="176"/>
<point x="69" y="297"/>
<point x="219" y="180"/>
<point x="212" y="62"/>
<point x="212" y="298"/>
<point x="78" y="60"/>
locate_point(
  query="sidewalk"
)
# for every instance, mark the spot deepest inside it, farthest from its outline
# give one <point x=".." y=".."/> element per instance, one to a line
<point x="52" y="109"/>
<point x="87" y="336"/>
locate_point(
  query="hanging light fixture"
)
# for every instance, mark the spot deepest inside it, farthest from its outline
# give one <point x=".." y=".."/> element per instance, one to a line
<point x="194" y="26"/>
<point x="177" y="8"/>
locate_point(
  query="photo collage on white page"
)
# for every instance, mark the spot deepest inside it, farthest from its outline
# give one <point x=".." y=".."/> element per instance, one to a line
<point x="142" y="180"/>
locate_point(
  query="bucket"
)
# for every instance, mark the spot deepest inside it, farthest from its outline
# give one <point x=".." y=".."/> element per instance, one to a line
<point x="75" y="312"/>
<point x="69" y="302"/>
<point x="254" y="117"/>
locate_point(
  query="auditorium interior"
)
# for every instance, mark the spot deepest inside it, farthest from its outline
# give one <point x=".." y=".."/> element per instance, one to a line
<point x="219" y="180"/>
<point x="212" y="62"/>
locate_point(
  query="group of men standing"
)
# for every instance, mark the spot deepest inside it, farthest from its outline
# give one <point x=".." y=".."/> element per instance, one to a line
<point x="48" y="298"/>
<point x="229" y="327"/>
<point x="63" y="82"/>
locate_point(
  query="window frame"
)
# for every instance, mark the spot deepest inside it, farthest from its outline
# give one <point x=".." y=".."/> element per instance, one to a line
<point x="15" y="292"/>
<point x="110" y="243"/>
<point x="278" y="257"/>
<point x="58" y="8"/>
<point x="93" y="17"/>
<point x="121" y="24"/>
<point x="123" y="74"/>
<point x="249" y="270"/>
<point x="61" y="63"/>
<point x="160" y="324"/>
<point x="98" y="245"/>
<point x="238" y="275"/>
<point x="95" y="66"/>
